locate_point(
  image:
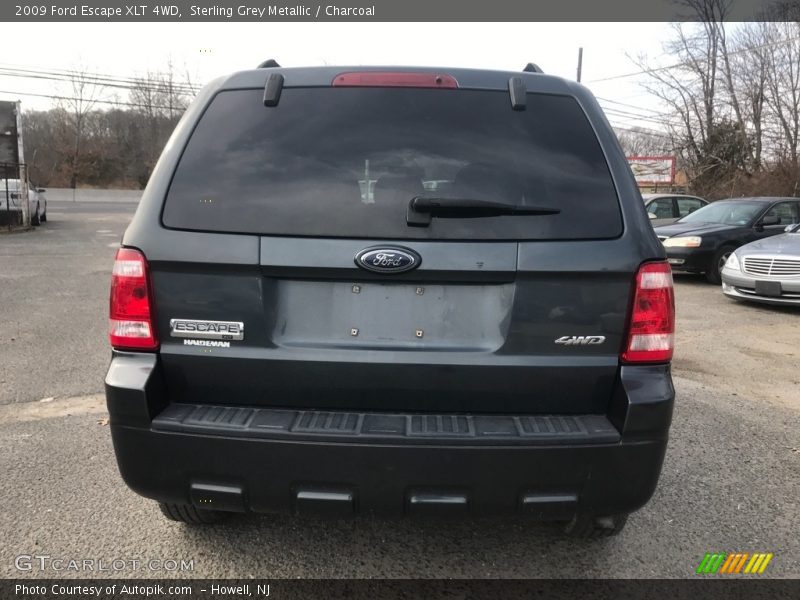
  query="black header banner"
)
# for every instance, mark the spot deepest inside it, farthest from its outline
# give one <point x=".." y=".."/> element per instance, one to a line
<point x="382" y="10"/>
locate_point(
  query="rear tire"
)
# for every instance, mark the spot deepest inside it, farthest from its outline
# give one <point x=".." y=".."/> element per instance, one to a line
<point x="589" y="527"/>
<point x="185" y="513"/>
<point x="35" y="217"/>
<point x="714" y="273"/>
<point x="43" y="218"/>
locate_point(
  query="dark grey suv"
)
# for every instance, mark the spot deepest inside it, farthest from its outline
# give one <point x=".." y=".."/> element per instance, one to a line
<point x="392" y="290"/>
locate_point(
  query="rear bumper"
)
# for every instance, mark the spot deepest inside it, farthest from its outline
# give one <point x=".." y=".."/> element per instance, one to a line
<point x="271" y="460"/>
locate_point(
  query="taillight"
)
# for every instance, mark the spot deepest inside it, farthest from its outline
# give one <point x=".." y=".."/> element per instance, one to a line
<point x="131" y="323"/>
<point x="651" y="334"/>
<point x="394" y="79"/>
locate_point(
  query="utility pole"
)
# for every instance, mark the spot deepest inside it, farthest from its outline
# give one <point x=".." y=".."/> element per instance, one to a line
<point x="580" y="63"/>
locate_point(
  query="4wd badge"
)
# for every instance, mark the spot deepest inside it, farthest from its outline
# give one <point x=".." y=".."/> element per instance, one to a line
<point x="581" y="340"/>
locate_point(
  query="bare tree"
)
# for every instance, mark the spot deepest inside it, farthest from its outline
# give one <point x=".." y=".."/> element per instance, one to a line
<point x="716" y="103"/>
<point x="76" y="107"/>
<point x="159" y="99"/>
<point x="82" y="141"/>
<point x="40" y="133"/>
<point x="782" y="45"/>
<point x="748" y="66"/>
<point x="735" y="91"/>
<point x="689" y="89"/>
<point x="638" y="141"/>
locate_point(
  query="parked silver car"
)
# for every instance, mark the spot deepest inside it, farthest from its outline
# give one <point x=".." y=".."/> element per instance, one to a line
<point x="664" y="209"/>
<point x="38" y="204"/>
<point x="12" y="197"/>
<point x="766" y="270"/>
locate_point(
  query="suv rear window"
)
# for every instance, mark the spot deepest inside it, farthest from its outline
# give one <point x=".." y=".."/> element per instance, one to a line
<point x="345" y="162"/>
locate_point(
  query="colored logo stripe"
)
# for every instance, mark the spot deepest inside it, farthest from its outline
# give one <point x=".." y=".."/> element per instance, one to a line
<point x="711" y="562"/>
<point x="758" y="563"/>
<point x="735" y="563"/>
<point x="728" y="562"/>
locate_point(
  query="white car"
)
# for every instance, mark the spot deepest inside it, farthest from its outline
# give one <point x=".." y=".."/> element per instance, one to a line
<point x="37" y="203"/>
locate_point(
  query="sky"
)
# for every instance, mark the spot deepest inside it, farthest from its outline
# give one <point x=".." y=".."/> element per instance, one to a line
<point x="206" y="50"/>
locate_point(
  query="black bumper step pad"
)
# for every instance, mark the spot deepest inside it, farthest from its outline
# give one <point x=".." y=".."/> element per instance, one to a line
<point x="359" y="427"/>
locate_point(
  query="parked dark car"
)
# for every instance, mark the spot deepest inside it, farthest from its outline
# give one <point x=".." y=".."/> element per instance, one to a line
<point x="664" y="209"/>
<point x="702" y="241"/>
<point x="766" y="271"/>
<point x="392" y="290"/>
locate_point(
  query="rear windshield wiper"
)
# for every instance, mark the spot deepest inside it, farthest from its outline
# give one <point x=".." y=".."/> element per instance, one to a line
<point x="422" y="208"/>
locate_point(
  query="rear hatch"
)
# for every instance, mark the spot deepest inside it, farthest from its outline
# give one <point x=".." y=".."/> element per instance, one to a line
<point x="301" y="277"/>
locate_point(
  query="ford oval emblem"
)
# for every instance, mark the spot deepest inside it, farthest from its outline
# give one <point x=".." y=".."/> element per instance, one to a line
<point x="388" y="259"/>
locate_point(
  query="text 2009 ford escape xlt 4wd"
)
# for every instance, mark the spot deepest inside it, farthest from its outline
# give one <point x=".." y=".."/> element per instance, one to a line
<point x="392" y="290"/>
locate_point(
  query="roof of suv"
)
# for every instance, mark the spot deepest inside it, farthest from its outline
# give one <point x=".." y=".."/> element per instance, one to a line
<point x="467" y="78"/>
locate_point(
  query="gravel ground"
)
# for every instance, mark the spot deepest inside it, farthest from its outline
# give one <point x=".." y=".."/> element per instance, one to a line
<point x="54" y="301"/>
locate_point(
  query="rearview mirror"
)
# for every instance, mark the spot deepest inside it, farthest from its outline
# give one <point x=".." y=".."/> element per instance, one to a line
<point x="41" y="190"/>
<point x="652" y="216"/>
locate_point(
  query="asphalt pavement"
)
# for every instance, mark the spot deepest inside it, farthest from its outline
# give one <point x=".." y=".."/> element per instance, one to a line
<point x="54" y="300"/>
<point x="730" y="480"/>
